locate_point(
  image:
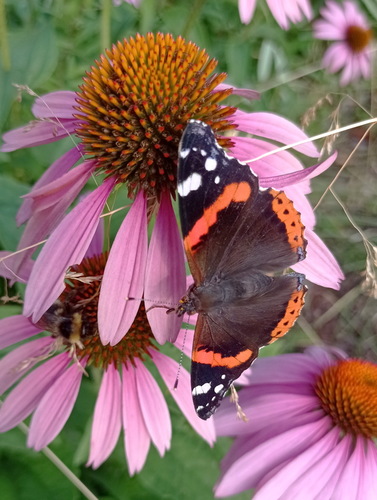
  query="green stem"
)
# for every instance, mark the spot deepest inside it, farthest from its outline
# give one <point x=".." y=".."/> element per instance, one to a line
<point x="63" y="468"/>
<point x="105" y="25"/>
<point x="5" y="55"/>
<point x="194" y="15"/>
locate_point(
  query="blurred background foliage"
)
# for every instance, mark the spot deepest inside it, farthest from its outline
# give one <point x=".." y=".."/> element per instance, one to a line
<point x="48" y="45"/>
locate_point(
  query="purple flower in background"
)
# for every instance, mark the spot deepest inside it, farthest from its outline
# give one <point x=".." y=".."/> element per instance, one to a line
<point x="351" y="48"/>
<point x="128" y="118"/>
<point x="45" y="383"/>
<point x="311" y="429"/>
<point x="284" y="11"/>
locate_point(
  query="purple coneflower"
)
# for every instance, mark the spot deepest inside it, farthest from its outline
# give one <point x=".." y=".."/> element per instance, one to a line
<point x="129" y="115"/>
<point x="312" y="421"/>
<point x="284" y="11"/>
<point x="351" y="50"/>
<point x="48" y="382"/>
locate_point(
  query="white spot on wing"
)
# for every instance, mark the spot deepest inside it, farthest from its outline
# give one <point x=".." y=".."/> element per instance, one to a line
<point x="223" y="377"/>
<point x="203" y="152"/>
<point x="192" y="183"/>
<point x="217" y="179"/>
<point x="201" y="389"/>
<point x="184" y="153"/>
<point x="210" y="164"/>
<point x="218" y="388"/>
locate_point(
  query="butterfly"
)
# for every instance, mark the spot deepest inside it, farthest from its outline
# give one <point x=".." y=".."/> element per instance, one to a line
<point x="237" y="236"/>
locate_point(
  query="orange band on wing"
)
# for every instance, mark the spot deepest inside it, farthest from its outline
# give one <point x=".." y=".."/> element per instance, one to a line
<point x="216" y="359"/>
<point x="236" y="192"/>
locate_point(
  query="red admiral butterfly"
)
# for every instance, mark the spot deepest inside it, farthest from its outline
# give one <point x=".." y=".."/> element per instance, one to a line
<point x="236" y="236"/>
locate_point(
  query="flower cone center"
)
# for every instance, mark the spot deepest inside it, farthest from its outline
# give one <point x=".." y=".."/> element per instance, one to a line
<point x="358" y="38"/>
<point x="72" y="319"/>
<point x="348" y="393"/>
<point x="134" y="105"/>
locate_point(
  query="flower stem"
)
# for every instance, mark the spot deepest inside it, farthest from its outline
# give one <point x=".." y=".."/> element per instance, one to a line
<point x="5" y="55"/>
<point x="63" y="468"/>
<point x="105" y="25"/>
<point x="194" y="14"/>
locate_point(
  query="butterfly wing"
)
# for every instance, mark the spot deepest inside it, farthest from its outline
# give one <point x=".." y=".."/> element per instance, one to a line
<point x="234" y="232"/>
<point x="227" y="222"/>
<point x="227" y="339"/>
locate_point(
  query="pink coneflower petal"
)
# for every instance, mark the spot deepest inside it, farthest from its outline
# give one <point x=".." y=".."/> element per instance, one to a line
<point x="26" y="396"/>
<point x="58" y="104"/>
<point x="54" y="172"/>
<point x="282" y="181"/>
<point x="124" y="275"/>
<point x="343" y="469"/>
<point x="15" y="364"/>
<point x="67" y="186"/>
<point x="368" y="490"/>
<point x="136" y="437"/>
<point x="246" y="93"/>
<point x="36" y="134"/>
<point x="320" y="266"/>
<point x="45" y="220"/>
<point x="246" y="9"/>
<point x="283" y="162"/>
<point x="54" y="409"/>
<point x="9" y="261"/>
<point x="274" y="127"/>
<point x="154" y="408"/>
<point x="286" y="479"/>
<point x="262" y="411"/>
<point x="65" y="247"/>
<point x="165" y="276"/>
<point x="96" y="245"/>
<point x="169" y="369"/>
<point x="16" y="328"/>
<point x="265" y="456"/>
<point x="107" y="418"/>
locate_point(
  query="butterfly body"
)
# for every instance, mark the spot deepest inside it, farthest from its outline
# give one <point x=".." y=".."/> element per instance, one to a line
<point x="236" y="237"/>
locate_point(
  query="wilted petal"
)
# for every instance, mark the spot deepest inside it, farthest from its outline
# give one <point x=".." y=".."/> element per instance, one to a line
<point x="169" y="370"/>
<point x="154" y="408"/>
<point x="319" y="266"/>
<point x="282" y="181"/>
<point x="107" y="418"/>
<point x="26" y="396"/>
<point x="58" y="104"/>
<point x="16" y="363"/>
<point x="273" y="165"/>
<point x="55" y="171"/>
<point x="54" y="409"/>
<point x="65" y="247"/>
<point x="274" y="127"/>
<point x="124" y="275"/>
<point x="165" y="277"/>
<point x="136" y="437"/>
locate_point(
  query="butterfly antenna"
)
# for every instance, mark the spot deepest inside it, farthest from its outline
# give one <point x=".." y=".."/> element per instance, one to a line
<point x="159" y="305"/>
<point x="235" y="399"/>
<point x="180" y="361"/>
